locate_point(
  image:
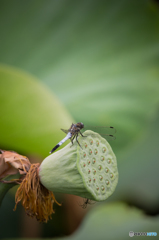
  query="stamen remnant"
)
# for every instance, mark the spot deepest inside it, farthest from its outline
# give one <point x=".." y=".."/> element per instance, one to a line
<point x="35" y="198"/>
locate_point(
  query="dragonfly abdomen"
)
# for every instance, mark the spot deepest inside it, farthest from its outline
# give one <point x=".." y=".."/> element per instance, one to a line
<point x="69" y="135"/>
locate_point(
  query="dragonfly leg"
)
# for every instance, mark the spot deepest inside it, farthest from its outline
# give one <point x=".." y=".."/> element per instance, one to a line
<point x="72" y="140"/>
<point x="82" y="134"/>
<point x="78" y="141"/>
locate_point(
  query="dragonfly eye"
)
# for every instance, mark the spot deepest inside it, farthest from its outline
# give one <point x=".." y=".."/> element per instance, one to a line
<point x="82" y="125"/>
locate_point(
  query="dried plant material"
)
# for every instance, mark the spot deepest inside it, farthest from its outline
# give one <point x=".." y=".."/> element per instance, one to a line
<point x="35" y="198"/>
<point x="12" y="163"/>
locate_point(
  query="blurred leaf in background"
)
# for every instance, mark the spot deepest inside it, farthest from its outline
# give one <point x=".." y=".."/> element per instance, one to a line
<point x="101" y="59"/>
<point x="115" y="221"/>
<point x="31" y="115"/>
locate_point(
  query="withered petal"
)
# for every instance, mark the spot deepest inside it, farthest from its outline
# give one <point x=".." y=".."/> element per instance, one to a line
<point x="12" y="163"/>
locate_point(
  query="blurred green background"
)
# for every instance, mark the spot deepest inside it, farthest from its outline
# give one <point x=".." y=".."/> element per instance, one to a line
<point x="95" y="62"/>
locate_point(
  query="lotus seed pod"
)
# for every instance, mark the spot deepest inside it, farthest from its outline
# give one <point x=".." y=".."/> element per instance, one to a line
<point x="90" y="172"/>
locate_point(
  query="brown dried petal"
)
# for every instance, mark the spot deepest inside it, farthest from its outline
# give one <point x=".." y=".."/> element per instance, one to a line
<point x="11" y="163"/>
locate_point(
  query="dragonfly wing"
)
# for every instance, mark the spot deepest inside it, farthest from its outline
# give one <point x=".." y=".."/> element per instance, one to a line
<point x="105" y="132"/>
<point x="65" y="131"/>
<point x="101" y="130"/>
<point x="108" y="137"/>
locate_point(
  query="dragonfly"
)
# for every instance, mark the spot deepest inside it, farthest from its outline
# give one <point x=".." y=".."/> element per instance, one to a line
<point x="77" y="128"/>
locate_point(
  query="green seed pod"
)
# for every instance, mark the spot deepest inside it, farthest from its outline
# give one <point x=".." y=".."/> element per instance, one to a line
<point x="90" y="172"/>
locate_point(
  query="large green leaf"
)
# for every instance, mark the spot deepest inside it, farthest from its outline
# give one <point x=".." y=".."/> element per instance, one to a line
<point x="31" y="116"/>
<point x="138" y="181"/>
<point x="115" y="221"/>
<point x="99" y="57"/>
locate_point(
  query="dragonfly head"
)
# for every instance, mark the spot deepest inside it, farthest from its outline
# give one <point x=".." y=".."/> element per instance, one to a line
<point x="80" y="125"/>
